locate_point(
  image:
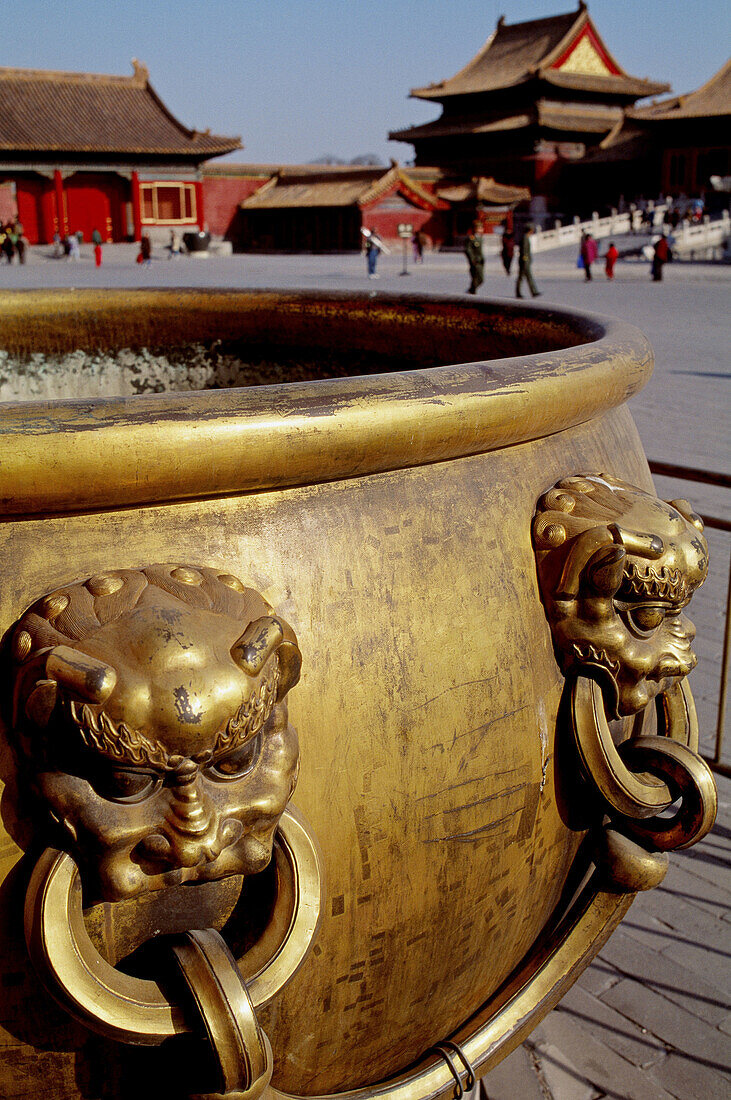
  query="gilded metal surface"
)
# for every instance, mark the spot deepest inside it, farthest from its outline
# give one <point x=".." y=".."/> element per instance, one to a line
<point x="617" y="569"/>
<point x="150" y="707"/>
<point x="242" y="1050"/>
<point x="138" y="1010"/>
<point x="433" y="771"/>
<point x="498" y="375"/>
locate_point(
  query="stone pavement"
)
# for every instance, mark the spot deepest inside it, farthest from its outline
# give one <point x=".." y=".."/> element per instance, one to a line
<point x="650" y="1018"/>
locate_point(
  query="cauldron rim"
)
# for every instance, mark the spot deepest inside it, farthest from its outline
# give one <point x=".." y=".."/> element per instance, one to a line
<point x="154" y="448"/>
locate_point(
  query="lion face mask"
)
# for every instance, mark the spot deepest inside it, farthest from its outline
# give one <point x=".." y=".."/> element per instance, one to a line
<point x="150" y="708"/>
<point x="617" y="567"/>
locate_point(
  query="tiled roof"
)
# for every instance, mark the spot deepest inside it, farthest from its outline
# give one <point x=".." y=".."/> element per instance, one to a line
<point x="43" y="111"/>
<point x="233" y="169"/>
<point x="484" y="189"/>
<point x="314" y="185"/>
<point x="311" y="185"/>
<point x="518" y="52"/>
<point x="575" y="118"/>
<point x="580" y="118"/>
<point x="712" y="100"/>
<point x="461" y="126"/>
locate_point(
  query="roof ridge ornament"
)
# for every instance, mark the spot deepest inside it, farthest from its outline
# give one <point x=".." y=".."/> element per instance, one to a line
<point x="141" y="73"/>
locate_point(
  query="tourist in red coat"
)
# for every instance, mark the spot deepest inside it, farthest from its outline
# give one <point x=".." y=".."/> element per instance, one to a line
<point x="96" y="239"/>
<point x="610" y="260"/>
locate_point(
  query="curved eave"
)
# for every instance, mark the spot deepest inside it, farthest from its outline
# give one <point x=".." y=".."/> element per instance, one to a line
<point x="620" y="85"/>
<point x="212" y="150"/>
<point x="454" y="129"/>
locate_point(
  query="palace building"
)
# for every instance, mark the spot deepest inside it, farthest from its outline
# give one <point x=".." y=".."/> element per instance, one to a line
<point x="82" y="151"/>
<point x="679" y="147"/>
<point x="537" y="95"/>
<point x="316" y="208"/>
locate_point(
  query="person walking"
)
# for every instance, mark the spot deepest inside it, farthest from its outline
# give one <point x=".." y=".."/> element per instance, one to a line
<point x="373" y="249"/>
<point x="507" y="246"/>
<point x="475" y="259"/>
<point x="660" y="258"/>
<point x="610" y="260"/>
<point x="588" y="253"/>
<point x="525" y="270"/>
<point x="96" y="240"/>
<point x="144" y="256"/>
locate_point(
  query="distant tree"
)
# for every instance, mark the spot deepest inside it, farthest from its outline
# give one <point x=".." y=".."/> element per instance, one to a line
<point x="363" y="160"/>
<point x="367" y="159"/>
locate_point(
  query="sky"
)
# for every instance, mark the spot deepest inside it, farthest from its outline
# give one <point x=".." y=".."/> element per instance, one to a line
<point x="299" y="79"/>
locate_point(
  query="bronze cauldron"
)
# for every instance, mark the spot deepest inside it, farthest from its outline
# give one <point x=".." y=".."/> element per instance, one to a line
<point x="415" y="567"/>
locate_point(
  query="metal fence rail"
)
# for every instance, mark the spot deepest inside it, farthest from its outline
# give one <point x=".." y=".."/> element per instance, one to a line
<point x="710" y="477"/>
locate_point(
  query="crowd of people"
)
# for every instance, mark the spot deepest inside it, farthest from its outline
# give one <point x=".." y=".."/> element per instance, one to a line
<point x="588" y="255"/>
<point x="13" y="243"/>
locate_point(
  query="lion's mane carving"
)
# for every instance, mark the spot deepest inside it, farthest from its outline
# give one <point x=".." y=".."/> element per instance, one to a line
<point x="150" y="705"/>
<point x="617" y="567"/>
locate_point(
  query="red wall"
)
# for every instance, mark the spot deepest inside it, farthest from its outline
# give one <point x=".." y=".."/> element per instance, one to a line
<point x="222" y="195"/>
<point x="37" y="209"/>
<point x="386" y="222"/>
<point x="8" y="209"/>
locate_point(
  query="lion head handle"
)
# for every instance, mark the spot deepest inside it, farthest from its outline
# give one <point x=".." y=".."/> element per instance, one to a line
<point x="617" y="567"/>
<point x="149" y="705"/>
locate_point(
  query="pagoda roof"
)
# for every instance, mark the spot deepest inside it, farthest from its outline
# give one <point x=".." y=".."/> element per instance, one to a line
<point x="574" y="118"/>
<point x="45" y="111"/>
<point x="484" y="189"/>
<point x="564" y="50"/>
<point x="311" y="185"/>
<point x="711" y="100"/>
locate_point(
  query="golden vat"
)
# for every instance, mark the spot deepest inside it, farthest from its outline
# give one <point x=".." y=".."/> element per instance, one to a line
<point x="447" y="519"/>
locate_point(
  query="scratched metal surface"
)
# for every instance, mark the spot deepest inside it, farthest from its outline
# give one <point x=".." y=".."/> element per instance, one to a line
<point x="427" y="720"/>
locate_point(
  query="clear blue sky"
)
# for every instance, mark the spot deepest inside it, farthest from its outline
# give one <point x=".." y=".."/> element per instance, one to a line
<point x="301" y="78"/>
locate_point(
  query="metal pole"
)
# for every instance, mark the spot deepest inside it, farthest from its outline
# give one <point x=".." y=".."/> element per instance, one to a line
<point x="724" y="675"/>
<point x="405" y="269"/>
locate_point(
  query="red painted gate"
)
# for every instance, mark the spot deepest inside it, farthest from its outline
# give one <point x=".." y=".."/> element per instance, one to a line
<point x="96" y="201"/>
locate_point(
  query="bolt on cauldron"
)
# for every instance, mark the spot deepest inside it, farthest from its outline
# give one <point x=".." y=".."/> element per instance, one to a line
<point x="344" y="701"/>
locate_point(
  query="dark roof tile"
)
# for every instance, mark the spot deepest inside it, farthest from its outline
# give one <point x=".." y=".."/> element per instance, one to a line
<point x="43" y="111"/>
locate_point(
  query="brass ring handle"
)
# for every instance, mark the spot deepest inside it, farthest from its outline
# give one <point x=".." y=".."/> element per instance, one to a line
<point x="689" y="777"/>
<point x="136" y="1010"/>
<point x="677" y="715"/>
<point x="242" y="1050"/>
<point x="633" y="795"/>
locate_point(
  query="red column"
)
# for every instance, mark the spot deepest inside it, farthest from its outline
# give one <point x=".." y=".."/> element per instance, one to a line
<point x="136" y="207"/>
<point x="200" y="210"/>
<point x="60" y="212"/>
<point x="48" y="221"/>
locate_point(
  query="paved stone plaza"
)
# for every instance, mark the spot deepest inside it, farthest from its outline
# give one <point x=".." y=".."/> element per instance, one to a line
<point x="650" y="1019"/>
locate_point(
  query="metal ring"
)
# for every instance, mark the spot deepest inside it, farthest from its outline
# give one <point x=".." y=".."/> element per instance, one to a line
<point x="471" y="1076"/>
<point x="688" y="775"/>
<point x="136" y="1010"/>
<point x="446" y="1056"/>
<point x="242" y="1050"/>
<point x="630" y="794"/>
